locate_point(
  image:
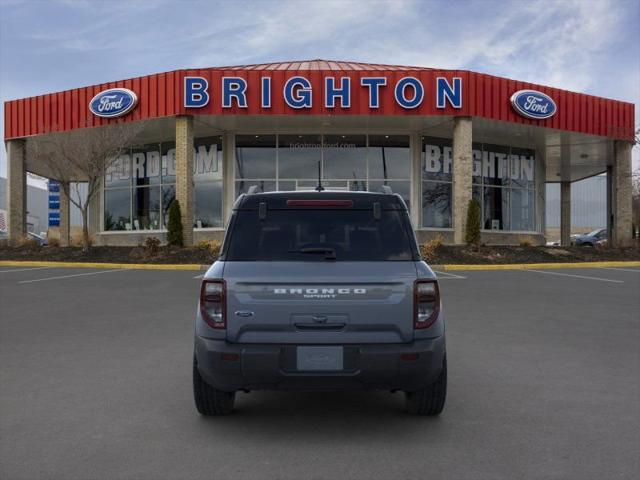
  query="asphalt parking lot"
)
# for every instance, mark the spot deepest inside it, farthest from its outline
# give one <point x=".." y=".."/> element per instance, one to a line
<point x="95" y="383"/>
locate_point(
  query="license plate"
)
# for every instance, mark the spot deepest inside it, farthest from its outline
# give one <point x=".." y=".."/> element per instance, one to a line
<point x="319" y="358"/>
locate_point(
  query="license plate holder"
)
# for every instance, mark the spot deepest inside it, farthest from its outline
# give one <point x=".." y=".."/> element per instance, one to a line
<point x="320" y="359"/>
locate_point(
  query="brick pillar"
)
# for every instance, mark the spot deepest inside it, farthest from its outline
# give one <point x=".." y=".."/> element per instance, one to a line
<point x="16" y="191"/>
<point x="462" y="175"/>
<point x="621" y="184"/>
<point x="184" y="174"/>
<point x="565" y="213"/>
<point x="65" y="215"/>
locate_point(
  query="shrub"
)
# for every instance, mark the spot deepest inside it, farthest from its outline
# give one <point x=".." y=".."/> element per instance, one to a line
<point x="429" y="249"/>
<point x="524" y="241"/>
<point x="28" y="243"/>
<point x="152" y="245"/>
<point x="54" y="242"/>
<point x="212" y="246"/>
<point x="75" y="238"/>
<point x="174" y="226"/>
<point x="472" y="234"/>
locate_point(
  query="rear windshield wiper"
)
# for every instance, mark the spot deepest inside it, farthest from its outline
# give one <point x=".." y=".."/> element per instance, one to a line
<point x="330" y="253"/>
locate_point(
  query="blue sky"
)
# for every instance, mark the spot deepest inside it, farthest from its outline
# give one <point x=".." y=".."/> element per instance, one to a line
<point x="590" y="46"/>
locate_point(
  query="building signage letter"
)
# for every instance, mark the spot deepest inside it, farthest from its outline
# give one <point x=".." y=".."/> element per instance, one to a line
<point x="195" y="92"/>
<point x="331" y="92"/>
<point x="234" y="87"/>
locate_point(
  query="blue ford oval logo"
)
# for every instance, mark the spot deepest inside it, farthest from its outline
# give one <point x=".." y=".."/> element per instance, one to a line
<point x="533" y="104"/>
<point x="114" y="102"/>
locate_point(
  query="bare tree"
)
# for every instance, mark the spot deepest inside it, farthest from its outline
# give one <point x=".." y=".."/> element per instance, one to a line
<point x="82" y="156"/>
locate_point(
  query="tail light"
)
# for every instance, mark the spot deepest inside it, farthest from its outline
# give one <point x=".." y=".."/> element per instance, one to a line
<point x="212" y="303"/>
<point x="426" y="303"/>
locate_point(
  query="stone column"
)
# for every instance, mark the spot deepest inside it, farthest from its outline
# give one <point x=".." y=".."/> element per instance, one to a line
<point x="228" y="172"/>
<point x="65" y="215"/>
<point x="462" y="175"/>
<point x="565" y="213"/>
<point x="416" y="179"/>
<point x="16" y="191"/>
<point x="184" y="174"/>
<point x="621" y="235"/>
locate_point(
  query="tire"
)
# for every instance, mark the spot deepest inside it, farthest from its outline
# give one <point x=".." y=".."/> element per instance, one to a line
<point x="429" y="400"/>
<point x="210" y="400"/>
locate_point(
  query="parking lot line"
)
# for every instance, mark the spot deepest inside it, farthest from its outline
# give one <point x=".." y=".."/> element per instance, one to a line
<point x="23" y="269"/>
<point x="449" y="275"/>
<point x="637" y="270"/>
<point x="199" y="276"/>
<point x="575" y="276"/>
<point x="70" y="276"/>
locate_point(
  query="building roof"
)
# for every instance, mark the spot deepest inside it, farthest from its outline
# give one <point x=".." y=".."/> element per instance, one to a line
<point x="320" y="64"/>
<point x="161" y="95"/>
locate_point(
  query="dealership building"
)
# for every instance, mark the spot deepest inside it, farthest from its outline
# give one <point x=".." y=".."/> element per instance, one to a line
<point x="439" y="138"/>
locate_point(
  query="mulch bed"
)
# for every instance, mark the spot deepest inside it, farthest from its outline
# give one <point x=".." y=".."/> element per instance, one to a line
<point x="170" y="255"/>
<point x="484" y="255"/>
<point x="445" y="254"/>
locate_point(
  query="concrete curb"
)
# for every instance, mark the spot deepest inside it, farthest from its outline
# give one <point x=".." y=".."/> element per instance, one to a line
<point x="193" y="266"/>
<point x="525" y="266"/>
<point x="132" y="266"/>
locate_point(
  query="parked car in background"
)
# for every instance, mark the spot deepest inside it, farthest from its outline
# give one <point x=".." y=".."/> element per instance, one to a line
<point x="40" y="239"/>
<point x="590" y="239"/>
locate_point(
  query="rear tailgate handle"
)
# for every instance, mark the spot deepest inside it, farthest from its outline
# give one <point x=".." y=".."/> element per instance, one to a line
<point x="325" y="327"/>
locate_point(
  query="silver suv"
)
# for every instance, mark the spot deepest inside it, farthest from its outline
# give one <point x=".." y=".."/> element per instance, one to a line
<point x="319" y="291"/>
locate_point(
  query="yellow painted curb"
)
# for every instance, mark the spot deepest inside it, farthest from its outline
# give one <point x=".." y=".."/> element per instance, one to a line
<point x="525" y="266"/>
<point x="193" y="266"/>
<point x="133" y="266"/>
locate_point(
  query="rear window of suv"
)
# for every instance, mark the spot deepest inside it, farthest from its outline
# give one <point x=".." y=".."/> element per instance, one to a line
<point x="310" y="235"/>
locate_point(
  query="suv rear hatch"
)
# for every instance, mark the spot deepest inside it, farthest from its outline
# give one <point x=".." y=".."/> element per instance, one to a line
<point x="320" y="270"/>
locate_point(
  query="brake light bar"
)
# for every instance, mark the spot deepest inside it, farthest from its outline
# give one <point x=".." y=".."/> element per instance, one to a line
<point x="320" y="203"/>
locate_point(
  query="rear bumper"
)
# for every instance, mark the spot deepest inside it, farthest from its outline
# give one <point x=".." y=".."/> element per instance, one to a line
<point x="231" y="367"/>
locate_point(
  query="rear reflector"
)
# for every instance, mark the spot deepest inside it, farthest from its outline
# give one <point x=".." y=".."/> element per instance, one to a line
<point x="320" y="203"/>
<point x="409" y="356"/>
<point x="230" y="357"/>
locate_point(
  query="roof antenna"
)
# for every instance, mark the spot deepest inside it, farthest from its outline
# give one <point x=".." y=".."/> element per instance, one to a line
<point x="319" y="188"/>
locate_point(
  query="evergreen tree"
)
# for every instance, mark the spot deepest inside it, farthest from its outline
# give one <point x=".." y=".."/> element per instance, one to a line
<point x="472" y="234"/>
<point x="174" y="227"/>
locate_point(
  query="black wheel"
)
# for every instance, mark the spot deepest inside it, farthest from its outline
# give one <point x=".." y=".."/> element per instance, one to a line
<point x="210" y="400"/>
<point x="429" y="400"/>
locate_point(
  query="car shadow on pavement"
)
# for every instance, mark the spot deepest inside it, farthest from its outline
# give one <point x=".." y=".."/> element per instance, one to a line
<point x="321" y="415"/>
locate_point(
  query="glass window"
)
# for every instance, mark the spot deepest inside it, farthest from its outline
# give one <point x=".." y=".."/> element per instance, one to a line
<point x="146" y="208"/>
<point x="437" y="163"/>
<point x="168" y="195"/>
<point x="117" y="205"/>
<point x="145" y="165"/>
<point x="298" y="156"/>
<point x="208" y="205"/>
<point x="495" y="165"/>
<point x="255" y="156"/>
<point x="168" y="162"/>
<point x="476" y="154"/>
<point x="522" y="210"/>
<point x="307" y="235"/>
<point x="344" y="156"/>
<point x="389" y="156"/>
<point x="436" y="204"/>
<point x="118" y="174"/>
<point x="496" y="210"/>
<point x="207" y="160"/>
<point x="522" y="167"/>
<point x="402" y="187"/>
<point x="242" y="186"/>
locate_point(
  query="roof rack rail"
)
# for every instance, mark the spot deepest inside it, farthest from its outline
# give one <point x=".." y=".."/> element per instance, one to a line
<point x="252" y="189"/>
<point x="386" y="189"/>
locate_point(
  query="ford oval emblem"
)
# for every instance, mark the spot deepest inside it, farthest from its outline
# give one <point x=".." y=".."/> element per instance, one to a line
<point x="533" y="104"/>
<point x="114" y="102"/>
